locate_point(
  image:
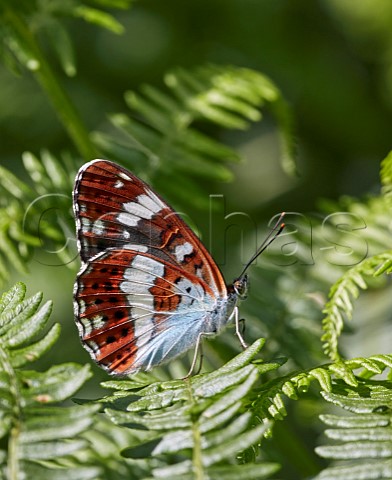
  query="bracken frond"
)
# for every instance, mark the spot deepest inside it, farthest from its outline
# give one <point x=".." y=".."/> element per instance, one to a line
<point x="340" y="305"/>
<point x="39" y="437"/>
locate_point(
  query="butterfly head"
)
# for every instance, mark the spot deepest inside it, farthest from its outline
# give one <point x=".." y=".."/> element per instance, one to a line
<point x="240" y="287"/>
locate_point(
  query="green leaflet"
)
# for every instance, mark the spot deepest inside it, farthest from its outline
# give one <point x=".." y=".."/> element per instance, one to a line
<point x="165" y="146"/>
<point x="32" y="426"/>
<point x="198" y="419"/>
<point x="18" y="17"/>
<point x="340" y="306"/>
<point x="364" y="438"/>
<point x="39" y="217"/>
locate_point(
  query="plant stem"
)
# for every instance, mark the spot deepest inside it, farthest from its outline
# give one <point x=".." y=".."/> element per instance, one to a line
<point x="13" y="440"/>
<point x="45" y="76"/>
<point x="197" y="453"/>
<point x="197" y="461"/>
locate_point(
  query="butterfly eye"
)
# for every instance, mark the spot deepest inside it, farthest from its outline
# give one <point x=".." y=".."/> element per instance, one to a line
<point x="241" y="287"/>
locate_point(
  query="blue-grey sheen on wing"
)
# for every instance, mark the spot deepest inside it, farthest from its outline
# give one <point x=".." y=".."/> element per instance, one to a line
<point x="161" y="331"/>
<point x="181" y="332"/>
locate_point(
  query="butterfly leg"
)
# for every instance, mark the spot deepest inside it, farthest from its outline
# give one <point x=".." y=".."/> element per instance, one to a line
<point x="242" y="323"/>
<point x="198" y="349"/>
<point x="238" y="330"/>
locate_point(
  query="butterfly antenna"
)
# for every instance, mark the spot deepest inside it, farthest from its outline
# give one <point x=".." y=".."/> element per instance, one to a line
<point x="275" y="232"/>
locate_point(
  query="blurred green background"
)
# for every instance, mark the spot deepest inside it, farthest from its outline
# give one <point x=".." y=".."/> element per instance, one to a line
<point x="331" y="59"/>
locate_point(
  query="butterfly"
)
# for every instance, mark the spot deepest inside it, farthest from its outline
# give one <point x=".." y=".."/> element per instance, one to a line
<point x="148" y="290"/>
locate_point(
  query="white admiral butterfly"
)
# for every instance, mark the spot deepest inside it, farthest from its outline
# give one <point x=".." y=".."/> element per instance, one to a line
<point x="148" y="290"/>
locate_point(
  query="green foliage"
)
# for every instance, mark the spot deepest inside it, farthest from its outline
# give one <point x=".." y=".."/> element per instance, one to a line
<point x="38" y="434"/>
<point x="361" y="442"/>
<point x="24" y="19"/>
<point x="37" y="217"/>
<point x="37" y="220"/>
<point x="192" y="428"/>
<point x="269" y="403"/>
<point x="200" y="422"/>
<point x="163" y="142"/>
<point x="386" y="176"/>
<point x="25" y="26"/>
<point x="192" y="425"/>
<point x="340" y="306"/>
<point x="217" y="425"/>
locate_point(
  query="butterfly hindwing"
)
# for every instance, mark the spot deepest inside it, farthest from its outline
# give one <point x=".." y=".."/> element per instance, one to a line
<point x="135" y="311"/>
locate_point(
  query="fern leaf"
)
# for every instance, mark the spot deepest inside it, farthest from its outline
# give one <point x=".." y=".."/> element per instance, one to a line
<point x="20" y="22"/>
<point x="363" y="440"/>
<point x="38" y="434"/>
<point x="98" y="17"/>
<point x="165" y="141"/>
<point x="384" y="267"/>
<point x="166" y="151"/>
<point x="35" y="350"/>
<point x="377" y="470"/>
<point x="386" y="176"/>
<point x="211" y="418"/>
<point x="341" y="370"/>
<point x="200" y="420"/>
<point x="243" y="472"/>
<point x="28" y="225"/>
<point x="340" y="306"/>
<point x="268" y="403"/>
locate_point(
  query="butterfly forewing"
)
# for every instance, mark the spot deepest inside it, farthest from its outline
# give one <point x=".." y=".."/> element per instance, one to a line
<point x="147" y="287"/>
<point x="115" y="209"/>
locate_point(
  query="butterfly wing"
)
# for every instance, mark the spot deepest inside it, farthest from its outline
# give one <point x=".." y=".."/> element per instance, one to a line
<point x="147" y="287"/>
<point x="115" y="209"/>
<point x="135" y="311"/>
